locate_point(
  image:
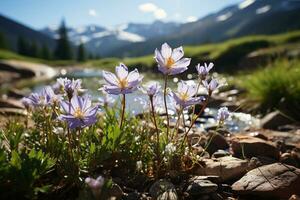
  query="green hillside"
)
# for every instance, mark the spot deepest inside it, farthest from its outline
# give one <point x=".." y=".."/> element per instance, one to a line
<point x="227" y="55"/>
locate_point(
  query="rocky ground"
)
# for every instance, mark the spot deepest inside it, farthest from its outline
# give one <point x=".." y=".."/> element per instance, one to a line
<point x="256" y="164"/>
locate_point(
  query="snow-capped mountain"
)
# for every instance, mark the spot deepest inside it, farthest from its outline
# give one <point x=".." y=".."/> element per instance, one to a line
<point x="100" y="40"/>
<point x="249" y="17"/>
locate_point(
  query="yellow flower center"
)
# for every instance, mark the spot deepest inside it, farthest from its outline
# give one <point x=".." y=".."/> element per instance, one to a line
<point x="78" y="113"/>
<point x="123" y="83"/>
<point x="169" y="62"/>
<point x="184" y="96"/>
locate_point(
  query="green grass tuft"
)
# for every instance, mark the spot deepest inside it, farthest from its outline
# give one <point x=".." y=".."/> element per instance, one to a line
<point x="277" y="87"/>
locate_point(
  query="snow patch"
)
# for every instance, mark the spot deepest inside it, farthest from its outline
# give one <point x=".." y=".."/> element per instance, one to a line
<point x="245" y="4"/>
<point x="224" y="17"/>
<point x="122" y="35"/>
<point x="263" y="9"/>
<point x="80" y="30"/>
<point x="101" y="34"/>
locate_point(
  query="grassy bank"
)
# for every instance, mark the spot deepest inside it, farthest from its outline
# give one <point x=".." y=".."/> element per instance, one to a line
<point x="275" y="87"/>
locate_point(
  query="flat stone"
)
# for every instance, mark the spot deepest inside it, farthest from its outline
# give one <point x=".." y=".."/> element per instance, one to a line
<point x="251" y="146"/>
<point x="199" y="186"/>
<point x="227" y="167"/>
<point x="216" y="141"/>
<point x="275" y="180"/>
<point x="220" y="153"/>
<point x="273" y="120"/>
<point x="11" y="103"/>
<point x="214" y="179"/>
<point x="12" y="111"/>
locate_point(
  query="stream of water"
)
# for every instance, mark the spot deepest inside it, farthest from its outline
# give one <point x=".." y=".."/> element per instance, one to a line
<point x="137" y="101"/>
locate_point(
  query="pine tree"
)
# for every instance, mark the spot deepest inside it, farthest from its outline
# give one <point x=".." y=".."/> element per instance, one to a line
<point x="45" y="52"/>
<point x="33" y="50"/>
<point x="22" y="46"/>
<point x="91" y="56"/>
<point x="63" y="50"/>
<point x="81" y="53"/>
<point x="3" y="44"/>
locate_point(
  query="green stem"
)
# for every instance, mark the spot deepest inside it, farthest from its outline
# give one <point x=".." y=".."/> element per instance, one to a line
<point x="166" y="107"/>
<point x="194" y="107"/>
<point x="69" y="135"/>
<point x="157" y="135"/>
<point x="79" y="148"/>
<point x="194" y="120"/>
<point x="123" y="111"/>
<point x="177" y="124"/>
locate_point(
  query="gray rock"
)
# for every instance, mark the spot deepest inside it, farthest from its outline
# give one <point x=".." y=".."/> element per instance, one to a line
<point x="275" y="180"/>
<point x="199" y="187"/>
<point x="247" y="146"/>
<point x="11" y="103"/>
<point x="273" y="120"/>
<point x="220" y="153"/>
<point x="12" y="111"/>
<point x="227" y="167"/>
<point x="215" y="142"/>
<point x="163" y="190"/>
<point x="214" y="179"/>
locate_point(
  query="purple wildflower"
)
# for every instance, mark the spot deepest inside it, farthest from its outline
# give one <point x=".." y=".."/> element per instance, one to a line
<point x="95" y="185"/>
<point x="44" y="98"/>
<point x="50" y="97"/>
<point x="223" y="114"/>
<point x="203" y="71"/>
<point x="123" y="82"/>
<point x="211" y="86"/>
<point x="79" y="112"/>
<point x="27" y="103"/>
<point x="70" y="87"/>
<point x="151" y="88"/>
<point x="185" y="95"/>
<point x="170" y="62"/>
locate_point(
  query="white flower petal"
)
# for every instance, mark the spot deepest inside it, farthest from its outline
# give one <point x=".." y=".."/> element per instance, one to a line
<point x="110" y="78"/>
<point x="177" y="54"/>
<point x="166" y="51"/>
<point x="121" y="71"/>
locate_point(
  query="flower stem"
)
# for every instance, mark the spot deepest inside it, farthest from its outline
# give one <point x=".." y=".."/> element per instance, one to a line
<point x="166" y="107"/>
<point x="194" y="120"/>
<point x="194" y="107"/>
<point x="69" y="135"/>
<point x="177" y="124"/>
<point x="157" y="135"/>
<point x="123" y="111"/>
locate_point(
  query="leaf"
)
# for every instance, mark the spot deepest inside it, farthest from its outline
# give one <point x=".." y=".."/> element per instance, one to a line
<point x="15" y="160"/>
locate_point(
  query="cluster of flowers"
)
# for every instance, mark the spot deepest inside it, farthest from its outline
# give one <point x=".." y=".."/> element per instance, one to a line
<point x="69" y="105"/>
<point x="78" y="111"/>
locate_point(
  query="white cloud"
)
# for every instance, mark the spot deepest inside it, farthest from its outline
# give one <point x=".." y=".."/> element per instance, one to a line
<point x="157" y="12"/>
<point x="92" y="12"/>
<point x="148" y="7"/>
<point x="160" y="13"/>
<point x="191" y="19"/>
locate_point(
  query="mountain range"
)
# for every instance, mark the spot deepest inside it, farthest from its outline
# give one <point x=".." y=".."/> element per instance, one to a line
<point x="251" y="17"/>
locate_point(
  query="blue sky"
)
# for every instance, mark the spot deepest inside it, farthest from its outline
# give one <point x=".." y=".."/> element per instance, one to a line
<point x="41" y="13"/>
